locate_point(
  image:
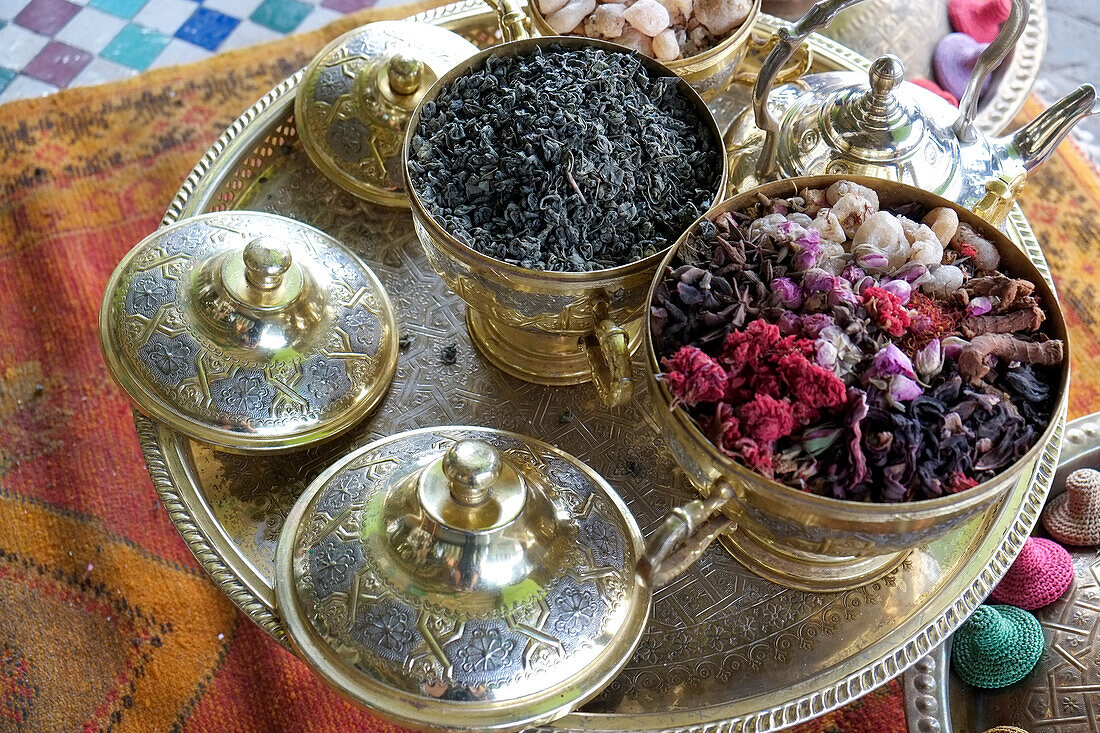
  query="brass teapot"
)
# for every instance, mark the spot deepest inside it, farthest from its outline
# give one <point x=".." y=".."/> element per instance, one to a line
<point x="885" y="127"/>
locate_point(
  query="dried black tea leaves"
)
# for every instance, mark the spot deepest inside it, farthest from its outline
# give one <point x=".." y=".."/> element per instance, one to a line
<point x="566" y="159"/>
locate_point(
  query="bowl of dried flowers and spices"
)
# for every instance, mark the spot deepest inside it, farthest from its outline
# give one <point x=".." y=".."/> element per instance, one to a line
<point x="701" y="40"/>
<point x="547" y="177"/>
<point x="862" y="364"/>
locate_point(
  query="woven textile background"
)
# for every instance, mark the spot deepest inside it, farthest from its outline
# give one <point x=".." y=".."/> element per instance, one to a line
<point x="106" y="621"/>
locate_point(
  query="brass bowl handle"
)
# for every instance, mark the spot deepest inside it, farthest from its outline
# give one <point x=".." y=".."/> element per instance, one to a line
<point x="684" y="536"/>
<point x="787" y="42"/>
<point x="608" y="349"/>
<point x="512" y="19"/>
<point x="758" y="48"/>
<point x="1000" y="196"/>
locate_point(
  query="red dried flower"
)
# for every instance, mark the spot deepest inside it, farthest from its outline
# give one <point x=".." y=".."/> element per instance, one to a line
<point x="887" y="310"/>
<point x="959" y="481"/>
<point x="766" y="419"/>
<point x="757" y="457"/>
<point x="693" y="377"/>
<point x="744" y="347"/>
<point x="810" y="384"/>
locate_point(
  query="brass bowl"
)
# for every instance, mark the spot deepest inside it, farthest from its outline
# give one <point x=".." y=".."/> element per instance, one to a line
<point x="802" y="540"/>
<point x="546" y="327"/>
<point x="707" y="72"/>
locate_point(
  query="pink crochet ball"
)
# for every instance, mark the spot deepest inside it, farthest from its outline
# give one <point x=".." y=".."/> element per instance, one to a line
<point x="1041" y="574"/>
<point x="979" y="19"/>
<point x="937" y="90"/>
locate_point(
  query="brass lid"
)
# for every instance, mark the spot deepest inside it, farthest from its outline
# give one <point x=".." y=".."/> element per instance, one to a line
<point x="250" y="331"/>
<point x="462" y="578"/>
<point x="356" y="97"/>
<point x="882" y="123"/>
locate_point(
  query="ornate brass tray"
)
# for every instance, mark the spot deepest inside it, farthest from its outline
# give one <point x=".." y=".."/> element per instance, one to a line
<point x="1062" y="693"/>
<point x="724" y="650"/>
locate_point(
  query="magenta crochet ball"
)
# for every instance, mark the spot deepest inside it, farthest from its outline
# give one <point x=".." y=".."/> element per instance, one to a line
<point x="979" y="19"/>
<point x="1039" y="577"/>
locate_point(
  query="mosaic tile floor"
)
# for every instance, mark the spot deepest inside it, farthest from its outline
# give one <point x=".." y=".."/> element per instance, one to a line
<point x="46" y="45"/>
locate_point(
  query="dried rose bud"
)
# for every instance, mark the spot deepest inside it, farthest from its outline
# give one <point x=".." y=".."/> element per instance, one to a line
<point x="789" y="323"/>
<point x="790" y="295"/>
<point x="899" y="288"/>
<point x="911" y="272"/>
<point x="979" y="306"/>
<point x="903" y="389"/>
<point x="818" y="440"/>
<point x="853" y="273"/>
<point x="890" y="360"/>
<point x="953" y="346"/>
<point x="865" y="282"/>
<point x="842" y="294"/>
<point x="929" y="360"/>
<point x="815" y="322"/>
<point x="805" y="259"/>
<point x="817" y="281"/>
<point x="872" y="261"/>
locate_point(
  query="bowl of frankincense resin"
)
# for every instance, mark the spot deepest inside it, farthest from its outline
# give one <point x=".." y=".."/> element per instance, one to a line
<point x="862" y="365"/>
<point x="701" y="40"/>
<point x="547" y="178"/>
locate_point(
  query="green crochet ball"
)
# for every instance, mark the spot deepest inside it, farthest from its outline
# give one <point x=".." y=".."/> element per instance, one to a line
<point x="997" y="647"/>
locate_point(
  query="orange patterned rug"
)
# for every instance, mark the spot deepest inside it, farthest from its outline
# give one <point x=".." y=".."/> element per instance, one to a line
<point x="106" y="620"/>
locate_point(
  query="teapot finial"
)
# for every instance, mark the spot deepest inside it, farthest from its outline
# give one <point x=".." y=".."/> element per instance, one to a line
<point x="885" y="74"/>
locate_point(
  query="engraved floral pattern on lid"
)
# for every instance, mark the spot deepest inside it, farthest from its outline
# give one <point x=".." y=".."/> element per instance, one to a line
<point x="195" y="353"/>
<point x="352" y="591"/>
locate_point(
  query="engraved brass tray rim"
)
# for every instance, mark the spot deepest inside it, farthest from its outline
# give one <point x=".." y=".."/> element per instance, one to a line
<point x="165" y="454"/>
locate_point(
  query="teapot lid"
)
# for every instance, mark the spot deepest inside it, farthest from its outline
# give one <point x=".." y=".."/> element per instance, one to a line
<point x="356" y="96"/>
<point x="885" y="126"/>
<point x="462" y="578"/>
<point x="247" y="330"/>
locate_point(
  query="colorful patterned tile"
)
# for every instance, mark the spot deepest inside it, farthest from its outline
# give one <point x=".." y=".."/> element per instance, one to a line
<point x="58" y="64"/>
<point x="122" y="8"/>
<point x="233" y="8"/>
<point x="280" y="15"/>
<point x="19" y="46"/>
<point x="6" y="75"/>
<point x="101" y="70"/>
<point x="207" y="28"/>
<point x="10" y="8"/>
<point x="23" y="86"/>
<point x="135" y="47"/>
<point x="348" y="6"/>
<point x="165" y="16"/>
<point x="91" y="30"/>
<point x="248" y="34"/>
<point x="179" y="52"/>
<point x="46" y="16"/>
<point x="319" y="17"/>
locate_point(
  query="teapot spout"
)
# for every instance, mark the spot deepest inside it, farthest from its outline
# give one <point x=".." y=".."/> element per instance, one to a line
<point x="1035" y="142"/>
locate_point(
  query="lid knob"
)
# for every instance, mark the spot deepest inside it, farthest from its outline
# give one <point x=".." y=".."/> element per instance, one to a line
<point x="886" y="74"/>
<point x="266" y="260"/>
<point x="404" y="73"/>
<point x="471" y="468"/>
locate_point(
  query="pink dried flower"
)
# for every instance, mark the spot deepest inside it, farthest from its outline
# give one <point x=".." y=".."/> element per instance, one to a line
<point x="693" y="377"/>
<point x="979" y="306"/>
